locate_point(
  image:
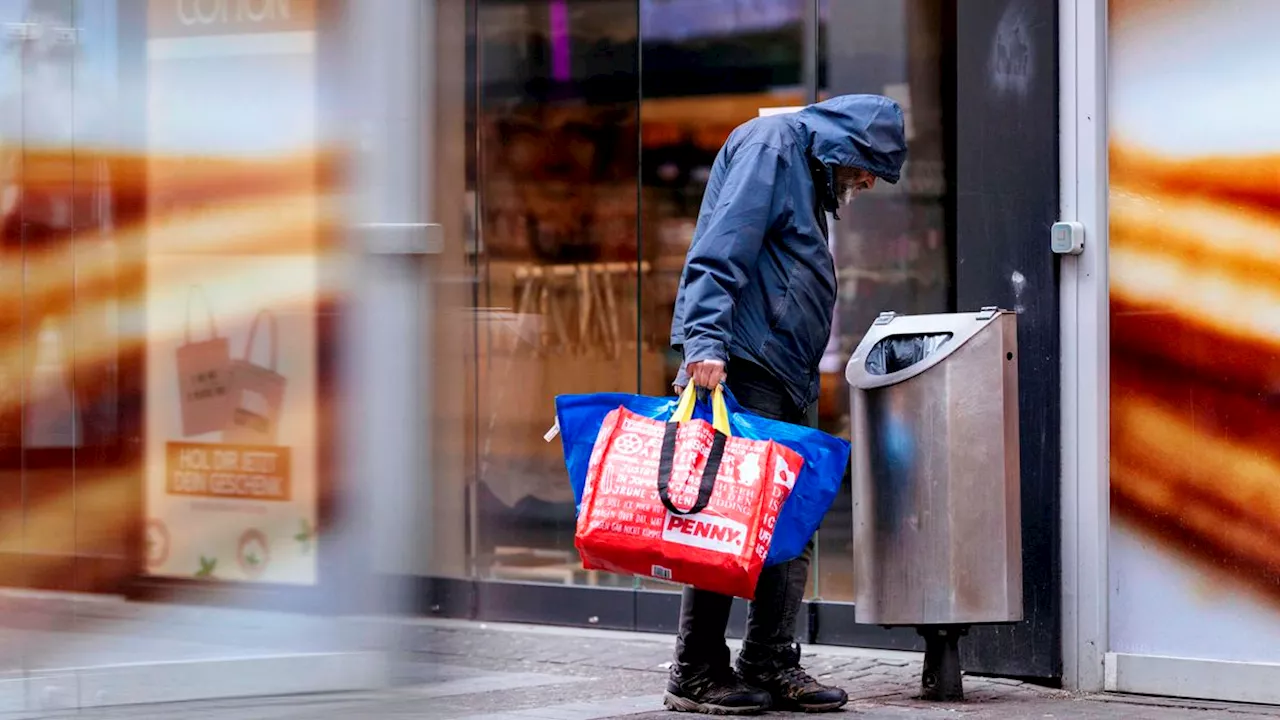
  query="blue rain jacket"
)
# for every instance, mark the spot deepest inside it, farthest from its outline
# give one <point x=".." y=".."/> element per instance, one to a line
<point x="759" y="282"/>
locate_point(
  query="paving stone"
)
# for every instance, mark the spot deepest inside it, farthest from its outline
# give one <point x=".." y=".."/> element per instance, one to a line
<point x="470" y="683"/>
<point x="582" y="711"/>
<point x="874" y="690"/>
<point x="856" y="676"/>
<point x="637" y="665"/>
<point x="879" y="677"/>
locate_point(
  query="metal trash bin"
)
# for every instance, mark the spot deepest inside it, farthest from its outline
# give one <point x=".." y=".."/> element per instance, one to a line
<point x="937" y="531"/>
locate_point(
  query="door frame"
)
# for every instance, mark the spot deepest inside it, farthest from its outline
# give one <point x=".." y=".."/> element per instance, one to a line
<point x="1085" y="341"/>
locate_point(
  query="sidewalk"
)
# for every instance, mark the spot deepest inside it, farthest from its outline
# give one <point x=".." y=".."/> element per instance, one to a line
<point x="470" y="671"/>
<point x="61" y="652"/>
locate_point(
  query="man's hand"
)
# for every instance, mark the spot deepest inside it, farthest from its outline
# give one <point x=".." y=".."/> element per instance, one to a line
<point x="706" y="373"/>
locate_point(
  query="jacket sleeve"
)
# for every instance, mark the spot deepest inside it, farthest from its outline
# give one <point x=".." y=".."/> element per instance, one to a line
<point x="720" y="264"/>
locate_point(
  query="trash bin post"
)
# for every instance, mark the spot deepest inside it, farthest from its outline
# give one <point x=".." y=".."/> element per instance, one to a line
<point x="941" y="680"/>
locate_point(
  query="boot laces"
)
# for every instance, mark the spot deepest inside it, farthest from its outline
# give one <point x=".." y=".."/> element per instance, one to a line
<point x="716" y="676"/>
<point x="790" y="671"/>
<point x="796" y="677"/>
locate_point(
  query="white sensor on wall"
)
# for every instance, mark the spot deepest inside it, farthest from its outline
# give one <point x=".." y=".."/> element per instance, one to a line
<point x="1067" y="238"/>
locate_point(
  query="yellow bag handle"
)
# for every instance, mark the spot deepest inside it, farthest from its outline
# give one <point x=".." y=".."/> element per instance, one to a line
<point x="684" y="409"/>
<point x="719" y="410"/>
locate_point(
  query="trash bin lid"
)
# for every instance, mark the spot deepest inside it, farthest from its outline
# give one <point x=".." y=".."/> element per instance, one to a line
<point x="956" y="329"/>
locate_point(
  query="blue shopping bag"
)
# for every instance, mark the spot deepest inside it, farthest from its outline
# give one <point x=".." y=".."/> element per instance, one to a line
<point x="826" y="458"/>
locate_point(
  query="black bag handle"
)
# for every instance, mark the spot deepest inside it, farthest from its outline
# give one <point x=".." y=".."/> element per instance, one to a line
<point x="709" y="472"/>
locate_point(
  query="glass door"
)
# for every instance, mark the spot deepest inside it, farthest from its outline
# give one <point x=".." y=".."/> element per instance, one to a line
<point x="556" y="263"/>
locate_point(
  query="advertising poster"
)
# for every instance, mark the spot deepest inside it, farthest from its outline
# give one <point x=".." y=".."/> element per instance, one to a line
<point x="232" y="278"/>
<point x="1195" y="329"/>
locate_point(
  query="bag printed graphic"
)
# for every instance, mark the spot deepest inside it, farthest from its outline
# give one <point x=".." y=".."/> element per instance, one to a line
<point x="826" y="458"/>
<point x="683" y="502"/>
<point x="203" y="376"/>
<point x="257" y="392"/>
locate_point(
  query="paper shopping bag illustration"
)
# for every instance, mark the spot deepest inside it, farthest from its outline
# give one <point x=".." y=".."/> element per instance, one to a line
<point x="257" y="392"/>
<point x="203" y="376"/>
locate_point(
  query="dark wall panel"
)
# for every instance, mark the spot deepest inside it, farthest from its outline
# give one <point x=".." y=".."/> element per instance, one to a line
<point x="1007" y="183"/>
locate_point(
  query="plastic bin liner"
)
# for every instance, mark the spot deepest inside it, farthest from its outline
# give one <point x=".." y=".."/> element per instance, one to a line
<point x="826" y="458"/>
<point x="899" y="352"/>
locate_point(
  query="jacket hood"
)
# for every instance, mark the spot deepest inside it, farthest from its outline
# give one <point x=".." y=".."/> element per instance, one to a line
<point x="862" y="131"/>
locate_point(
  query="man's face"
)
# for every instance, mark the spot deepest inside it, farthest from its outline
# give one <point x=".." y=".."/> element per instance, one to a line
<point x="850" y="181"/>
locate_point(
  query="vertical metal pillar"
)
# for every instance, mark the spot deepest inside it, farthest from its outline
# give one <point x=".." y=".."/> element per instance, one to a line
<point x="1085" y="342"/>
<point x="388" y="330"/>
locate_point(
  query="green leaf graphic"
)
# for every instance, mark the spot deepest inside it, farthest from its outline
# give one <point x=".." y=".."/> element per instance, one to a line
<point x="207" y="566"/>
<point x="305" y="535"/>
<point x="252" y="559"/>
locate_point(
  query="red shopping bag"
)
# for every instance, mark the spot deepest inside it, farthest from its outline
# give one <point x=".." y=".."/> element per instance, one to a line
<point x="681" y="501"/>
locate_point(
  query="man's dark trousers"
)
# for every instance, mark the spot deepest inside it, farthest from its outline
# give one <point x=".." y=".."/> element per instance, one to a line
<point x="771" y="621"/>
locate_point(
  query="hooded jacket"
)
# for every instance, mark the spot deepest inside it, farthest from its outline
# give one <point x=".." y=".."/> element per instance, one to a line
<point x="759" y="282"/>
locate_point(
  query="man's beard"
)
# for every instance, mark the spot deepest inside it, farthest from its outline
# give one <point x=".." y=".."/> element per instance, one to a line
<point x="846" y="195"/>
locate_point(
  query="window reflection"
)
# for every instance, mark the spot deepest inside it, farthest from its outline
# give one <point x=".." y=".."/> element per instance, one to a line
<point x="558" y="273"/>
<point x="892" y="246"/>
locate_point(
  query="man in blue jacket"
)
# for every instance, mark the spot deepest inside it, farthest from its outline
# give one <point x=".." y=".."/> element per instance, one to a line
<point x="754" y="311"/>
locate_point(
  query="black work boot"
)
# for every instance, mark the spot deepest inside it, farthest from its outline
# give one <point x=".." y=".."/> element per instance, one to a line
<point x="788" y="685"/>
<point x="712" y="689"/>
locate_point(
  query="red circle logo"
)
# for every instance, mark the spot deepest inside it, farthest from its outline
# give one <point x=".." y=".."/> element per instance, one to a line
<point x="158" y="543"/>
